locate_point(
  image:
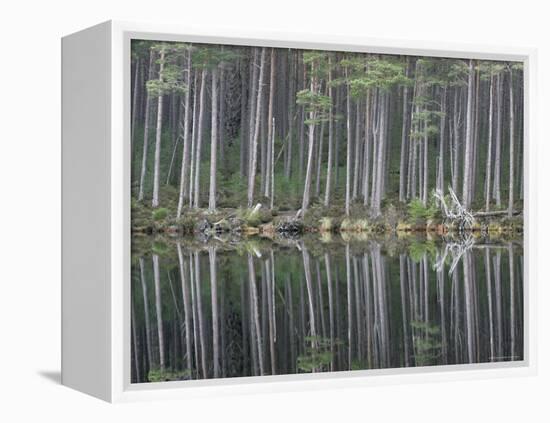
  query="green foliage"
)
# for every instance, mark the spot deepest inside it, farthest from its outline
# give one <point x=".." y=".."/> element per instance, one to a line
<point x="317" y="356"/>
<point x="417" y="210"/>
<point x="315" y="103"/>
<point x="420" y="248"/>
<point x="156" y="375"/>
<point x="427" y="347"/>
<point x="171" y="82"/>
<point x="159" y="214"/>
<point x="377" y="72"/>
<point x="254" y="218"/>
<point x="210" y="56"/>
<point x="160" y="248"/>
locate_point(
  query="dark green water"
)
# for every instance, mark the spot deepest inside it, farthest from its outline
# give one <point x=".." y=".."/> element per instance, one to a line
<point x="229" y="308"/>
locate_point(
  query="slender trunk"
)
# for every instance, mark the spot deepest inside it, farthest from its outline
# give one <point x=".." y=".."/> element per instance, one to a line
<point x="357" y="154"/>
<point x="330" y="140"/>
<point x="311" y="144"/>
<point x="367" y="149"/>
<point x="146" y="129"/>
<point x="213" y="141"/>
<point x="425" y="165"/>
<point x="441" y="161"/>
<point x="146" y="312"/>
<point x="186" y="307"/>
<point x="498" y="141"/>
<point x="198" y="141"/>
<point x="271" y="129"/>
<point x="185" y="156"/>
<point x="511" y="178"/>
<point x="271" y="311"/>
<point x="215" y="318"/>
<point x="404" y="138"/>
<point x="307" y="273"/>
<point x="221" y="114"/>
<point x="489" y="148"/>
<point x="512" y="303"/>
<point x="243" y="134"/>
<point x="254" y="145"/>
<point x="291" y="120"/>
<point x="349" y="307"/>
<point x="156" y="174"/>
<point x="202" y="334"/>
<point x="137" y="66"/>
<point x="193" y="141"/>
<point x="468" y="153"/>
<point x="348" y="155"/>
<point x="158" y="308"/>
<point x="137" y="373"/>
<point x="272" y="196"/>
<point x="319" y="160"/>
<point x="380" y="155"/>
<point x="256" y="315"/>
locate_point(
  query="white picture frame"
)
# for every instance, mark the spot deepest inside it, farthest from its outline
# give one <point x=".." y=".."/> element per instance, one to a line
<point x="96" y="227"/>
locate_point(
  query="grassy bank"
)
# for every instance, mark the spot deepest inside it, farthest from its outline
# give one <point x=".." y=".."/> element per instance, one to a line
<point x="398" y="218"/>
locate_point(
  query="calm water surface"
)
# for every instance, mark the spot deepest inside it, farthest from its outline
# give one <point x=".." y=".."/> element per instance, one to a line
<point x="228" y="308"/>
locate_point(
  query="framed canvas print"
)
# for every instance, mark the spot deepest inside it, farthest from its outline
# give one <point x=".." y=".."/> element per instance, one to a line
<point x="245" y="212"/>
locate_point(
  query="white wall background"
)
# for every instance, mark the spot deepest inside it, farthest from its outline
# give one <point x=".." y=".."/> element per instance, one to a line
<point x="30" y="207"/>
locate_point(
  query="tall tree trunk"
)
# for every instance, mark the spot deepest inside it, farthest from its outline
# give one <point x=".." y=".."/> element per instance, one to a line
<point x="137" y="67"/>
<point x="425" y="165"/>
<point x="330" y="134"/>
<point x="319" y="160"/>
<point x="254" y="145"/>
<point x="252" y="98"/>
<point x="158" y="308"/>
<point x="271" y="129"/>
<point x="185" y="156"/>
<point x="256" y="315"/>
<point x="357" y="161"/>
<point x="498" y="140"/>
<point x="272" y="196"/>
<point x="311" y="145"/>
<point x="367" y="149"/>
<point x="215" y="318"/>
<point x="291" y="108"/>
<point x="243" y="134"/>
<point x="202" y="330"/>
<point x="186" y="307"/>
<point x="348" y="142"/>
<point x="380" y="156"/>
<point x="198" y="141"/>
<point x="156" y="174"/>
<point x="137" y="373"/>
<point x="307" y="274"/>
<point x="489" y="147"/>
<point x="511" y="178"/>
<point x="404" y="137"/>
<point x="468" y="153"/>
<point x="146" y="312"/>
<point x="193" y="141"/>
<point x="146" y="129"/>
<point x="441" y="161"/>
<point x="213" y="142"/>
<point x="221" y="121"/>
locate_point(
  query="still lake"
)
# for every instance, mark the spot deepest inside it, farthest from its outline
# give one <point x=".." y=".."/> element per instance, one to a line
<point x="223" y="307"/>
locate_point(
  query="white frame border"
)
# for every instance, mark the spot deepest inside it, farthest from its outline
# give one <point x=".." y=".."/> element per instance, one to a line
<point x="121" y="389"/>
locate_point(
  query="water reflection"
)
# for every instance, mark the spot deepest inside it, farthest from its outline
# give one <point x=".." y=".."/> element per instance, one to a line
<point x="228" y="308"/>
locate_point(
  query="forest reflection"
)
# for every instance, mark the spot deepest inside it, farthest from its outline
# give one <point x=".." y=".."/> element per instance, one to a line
<point x="227" y="309"/>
